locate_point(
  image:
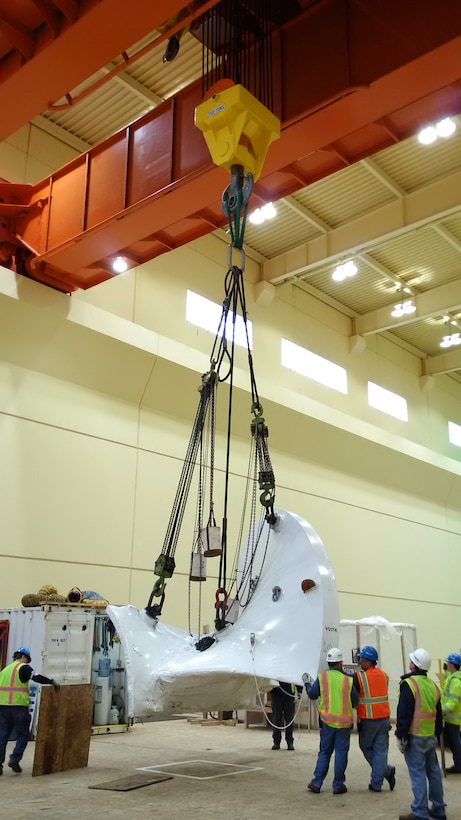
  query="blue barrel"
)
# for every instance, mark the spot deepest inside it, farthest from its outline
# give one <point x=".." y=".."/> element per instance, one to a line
<point x="104" y="667"/>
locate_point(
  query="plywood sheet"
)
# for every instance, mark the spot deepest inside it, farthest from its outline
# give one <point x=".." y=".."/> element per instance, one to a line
<point x="64" y="728"/>
<point x="135" y="781"/>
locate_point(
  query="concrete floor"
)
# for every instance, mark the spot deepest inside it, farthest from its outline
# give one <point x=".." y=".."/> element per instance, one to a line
<point x="263" y="783"/>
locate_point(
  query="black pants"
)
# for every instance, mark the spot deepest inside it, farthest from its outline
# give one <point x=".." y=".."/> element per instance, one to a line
<point x="452" y="739"/>
<point x="283" y="712"/>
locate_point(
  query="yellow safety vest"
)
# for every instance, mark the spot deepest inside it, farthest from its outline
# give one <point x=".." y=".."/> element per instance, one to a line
<point x="13" y="692"/>
<point x="451" y="699"/>
<point x="335" y="705"/>
<point x="427" y="696"/>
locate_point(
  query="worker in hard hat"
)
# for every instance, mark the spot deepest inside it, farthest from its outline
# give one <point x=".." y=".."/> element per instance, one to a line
<point x="337" y="698"/>
<point x="14" y="705"/>
<point x="419" y="725"/>
<point x="451" y="708"/>
<point x="373" y="713"/>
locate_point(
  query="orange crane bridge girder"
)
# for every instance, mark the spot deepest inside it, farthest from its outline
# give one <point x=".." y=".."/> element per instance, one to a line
<point x="348" y="84"/>
<point x="59" y="44"/>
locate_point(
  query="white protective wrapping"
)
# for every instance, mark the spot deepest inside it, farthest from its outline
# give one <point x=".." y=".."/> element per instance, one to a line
<point x="271" y="639"/>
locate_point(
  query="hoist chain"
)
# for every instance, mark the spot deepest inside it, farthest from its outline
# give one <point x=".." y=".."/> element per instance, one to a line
<point x="165" y="563"/>
<point x="266" y="474"/>
<point x="235" y="205"/>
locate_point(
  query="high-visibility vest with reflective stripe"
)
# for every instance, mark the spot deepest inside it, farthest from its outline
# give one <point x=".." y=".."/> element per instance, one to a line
<point x="373" y="696"/>
<point x="451" y="699"/>
<point x="427" y="696"/>
<point x="13" y="692"/>
<point x="335" y="706"/>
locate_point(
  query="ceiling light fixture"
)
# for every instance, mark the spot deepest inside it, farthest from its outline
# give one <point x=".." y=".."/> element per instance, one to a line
<point x="119" y="265"/>
<point x="450" y="341"/>
<point x="403" y="308"/>
<point x="444" y="128"/>
<point x="261" y="214"/>
<point x="344" y="271"/>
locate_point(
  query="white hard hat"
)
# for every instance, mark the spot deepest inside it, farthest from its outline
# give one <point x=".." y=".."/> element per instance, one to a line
<point x="421" y="659"/>
<point x="334" y="655"/>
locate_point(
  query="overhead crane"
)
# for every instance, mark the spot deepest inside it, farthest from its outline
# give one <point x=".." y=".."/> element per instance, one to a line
<point x="350" y="79"/>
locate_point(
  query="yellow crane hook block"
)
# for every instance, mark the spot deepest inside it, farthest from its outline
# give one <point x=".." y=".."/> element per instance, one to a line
<point x="238" y="129"/>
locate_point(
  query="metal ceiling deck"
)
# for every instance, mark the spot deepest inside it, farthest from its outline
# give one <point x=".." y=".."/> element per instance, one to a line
<point x="423" y="256"/>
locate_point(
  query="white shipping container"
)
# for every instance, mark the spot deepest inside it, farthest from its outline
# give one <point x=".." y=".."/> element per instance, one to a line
<point x="60" y="640"/>
<point x="67" y="644"/>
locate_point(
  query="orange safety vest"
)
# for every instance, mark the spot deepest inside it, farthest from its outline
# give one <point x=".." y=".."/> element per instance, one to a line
<point x="13" y="692"/>
<point x="335" y="705"/>
<point x="373" y="694"/>
<point x="427" y="696"/>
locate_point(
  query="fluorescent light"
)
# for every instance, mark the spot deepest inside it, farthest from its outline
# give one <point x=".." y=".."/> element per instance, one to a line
<point x="120" y="265"/>
<point x="344" y="271"/>
<point x="403" y="309"/>
<point x="267" y="211"/>
<point x="444" y="128"/>
<point x="427" y="135"/>
<point x="256" y="218"/>
<point x="451" y="340"/>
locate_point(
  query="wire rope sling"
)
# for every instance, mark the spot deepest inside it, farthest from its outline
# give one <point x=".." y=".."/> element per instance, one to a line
<point x="238" y="130"/>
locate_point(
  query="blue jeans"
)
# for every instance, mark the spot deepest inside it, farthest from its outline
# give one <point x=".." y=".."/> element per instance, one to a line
<point x="374" y="743"/>
<point x="14" y="717"/>
<point x="337" y="741"/>
<point x="424" y="770"/>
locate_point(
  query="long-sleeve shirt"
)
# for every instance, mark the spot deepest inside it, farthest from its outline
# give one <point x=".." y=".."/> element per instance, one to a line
<point x="313" y="691"/>
<point x="406" y="709"/>
<point x="26" y="673"/>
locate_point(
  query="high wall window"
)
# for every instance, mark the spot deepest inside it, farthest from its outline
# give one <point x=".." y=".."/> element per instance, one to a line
<point x="387" y="401"/>
<point x="206" y="314"/>
<point x="312" y="366"/>
<point x="454" y="433"/>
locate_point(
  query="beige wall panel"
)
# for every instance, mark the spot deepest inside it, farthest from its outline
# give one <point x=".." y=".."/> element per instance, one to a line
<point x="157" y="482"/>
<point x="19" y="576"/>
<point x="37" y="335"/>
<point x="40" y="398"/>
<point x="157" y="479"/>
<point x="13" y="163"/>
<point x="31" y="154"/>
<point x="65" y="495"/>
<point x="393" y="471"/>
<point x="117" y="295"/>
<point x="47" y="152"/>
<point x="388" y="552"/>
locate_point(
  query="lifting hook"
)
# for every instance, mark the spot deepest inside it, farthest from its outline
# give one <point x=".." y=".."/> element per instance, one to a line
<point x="237" y="194"/>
